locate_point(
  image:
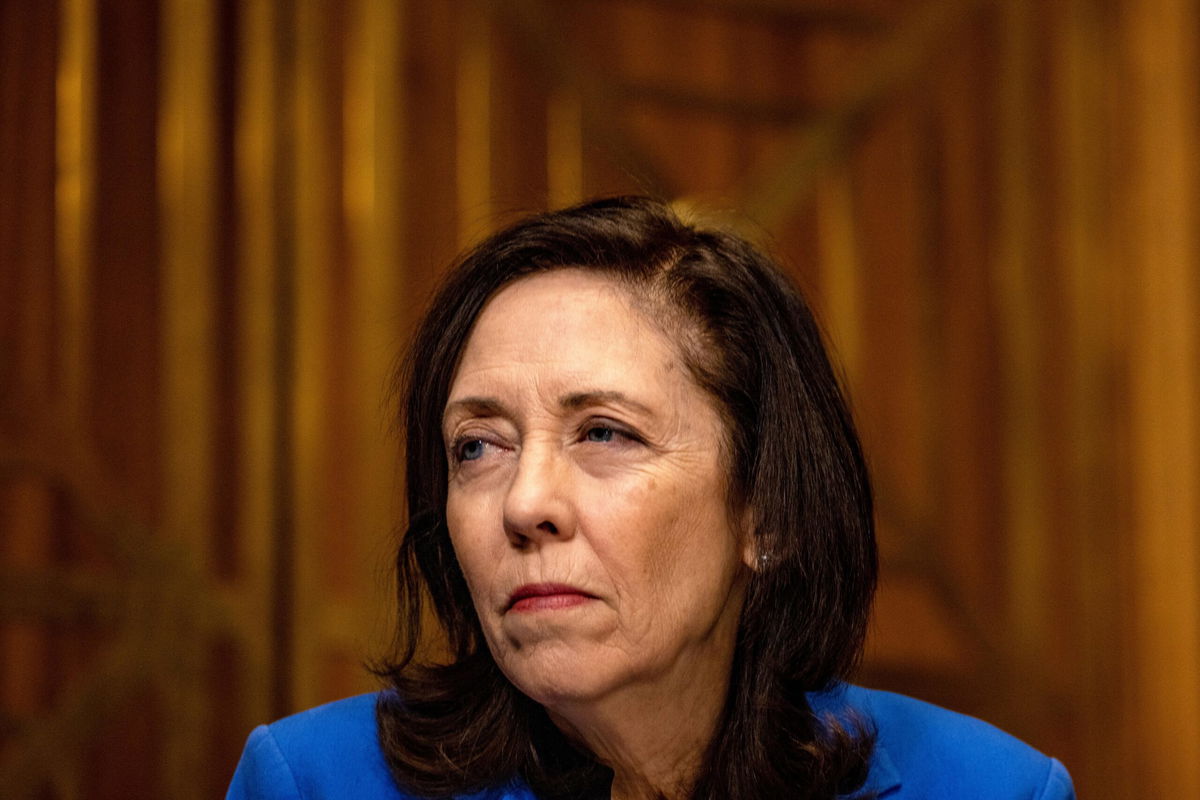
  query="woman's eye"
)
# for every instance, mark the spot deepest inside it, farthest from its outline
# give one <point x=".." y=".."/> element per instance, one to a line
<point x="470" y="450"/>
<point x="601" y="433"/>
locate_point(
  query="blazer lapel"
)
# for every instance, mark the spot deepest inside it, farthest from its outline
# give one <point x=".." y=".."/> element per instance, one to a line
<point x="883" y="776"/>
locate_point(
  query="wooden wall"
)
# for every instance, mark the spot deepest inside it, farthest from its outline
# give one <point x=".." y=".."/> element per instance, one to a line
<point x="219" y="218"/>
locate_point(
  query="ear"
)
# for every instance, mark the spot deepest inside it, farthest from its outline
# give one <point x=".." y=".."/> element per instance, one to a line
<point x="751" y="546"/>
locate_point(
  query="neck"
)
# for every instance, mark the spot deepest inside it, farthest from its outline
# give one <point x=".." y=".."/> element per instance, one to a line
<point x="653" y="737"/>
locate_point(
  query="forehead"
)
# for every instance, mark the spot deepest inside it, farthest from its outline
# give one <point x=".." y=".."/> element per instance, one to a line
<point x="570" y="319"/>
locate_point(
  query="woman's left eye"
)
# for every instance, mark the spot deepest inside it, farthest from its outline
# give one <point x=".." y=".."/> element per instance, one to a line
<point x="600" y="433"/>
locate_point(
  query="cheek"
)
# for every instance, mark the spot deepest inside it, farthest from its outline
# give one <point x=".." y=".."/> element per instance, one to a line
<point x="673" y="542"/>
<point x="473" y="546"/>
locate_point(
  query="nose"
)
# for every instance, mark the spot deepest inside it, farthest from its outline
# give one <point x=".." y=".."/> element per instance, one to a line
<point x="537" y="508"/>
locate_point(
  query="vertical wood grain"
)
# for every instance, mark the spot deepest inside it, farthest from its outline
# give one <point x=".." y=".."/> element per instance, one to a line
<point x="381" y="324"/>
<point x="473" y="141"/>
<point x="1164" y="359"/>
<point x="285" y="226"/>
<point x="1025" y="478"/>
<point x="373" y="117"/>
<point x="186" y="137"/>
<point x="841" y="280"/>
<point x="28" y="65"/>
<point x="186" y="168"/>
<point x="564" y="148"/>
<point x="256" y="174"/>
<point x="317" y="195"/>
<point x="31" y="60"/>
<point x="75" y="131"/>
<point x="1090" y="280"/>
<point x="124" y="355"/>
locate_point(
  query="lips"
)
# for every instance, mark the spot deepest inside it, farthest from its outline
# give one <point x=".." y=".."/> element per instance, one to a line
<point x="546" y="597"/>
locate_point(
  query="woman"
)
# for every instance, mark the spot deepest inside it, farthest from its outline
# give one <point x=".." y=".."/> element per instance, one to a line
<point x="638" y="505"/>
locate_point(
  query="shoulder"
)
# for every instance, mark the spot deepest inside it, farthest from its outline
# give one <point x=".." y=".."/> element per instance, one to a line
<point x="327" y="751"/>
<point x="331" y="751"/>
<point x="926" y="751"/>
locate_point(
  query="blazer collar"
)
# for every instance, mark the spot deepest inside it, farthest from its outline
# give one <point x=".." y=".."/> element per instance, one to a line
<point x="882" y="775"/>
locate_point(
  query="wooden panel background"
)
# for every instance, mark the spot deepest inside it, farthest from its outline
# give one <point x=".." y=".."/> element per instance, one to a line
<point x="219" y="219"/>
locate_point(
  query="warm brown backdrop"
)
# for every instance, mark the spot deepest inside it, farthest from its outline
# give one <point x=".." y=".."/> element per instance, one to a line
<point x="218" y="219"/>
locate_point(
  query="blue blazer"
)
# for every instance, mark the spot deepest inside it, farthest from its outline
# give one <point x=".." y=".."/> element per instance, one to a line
<point x="921" y="751"/>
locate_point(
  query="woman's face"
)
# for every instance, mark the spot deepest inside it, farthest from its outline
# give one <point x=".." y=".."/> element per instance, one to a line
<point x="587" y="495"/>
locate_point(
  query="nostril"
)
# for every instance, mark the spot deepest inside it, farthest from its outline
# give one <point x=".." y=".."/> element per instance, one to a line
<point x="548" y="527"/>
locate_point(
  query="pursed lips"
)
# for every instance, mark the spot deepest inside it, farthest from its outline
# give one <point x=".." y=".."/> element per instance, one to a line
<point x="546" y="597"/>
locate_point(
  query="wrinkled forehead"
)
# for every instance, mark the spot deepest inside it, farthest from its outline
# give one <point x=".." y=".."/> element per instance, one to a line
<point x="657" y="312"/>
<point x="569" y="325"/>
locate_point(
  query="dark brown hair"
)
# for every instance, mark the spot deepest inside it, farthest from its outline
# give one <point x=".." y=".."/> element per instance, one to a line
<point x="749" y="340"/>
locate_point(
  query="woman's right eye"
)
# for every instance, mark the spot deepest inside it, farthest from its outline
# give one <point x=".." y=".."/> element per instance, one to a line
<point x="470" y="450"/>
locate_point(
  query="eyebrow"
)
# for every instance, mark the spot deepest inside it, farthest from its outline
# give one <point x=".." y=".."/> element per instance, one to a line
<point x="482" y="406"/>
<point x="493" y="407"/>
<point x="580" y="399"/>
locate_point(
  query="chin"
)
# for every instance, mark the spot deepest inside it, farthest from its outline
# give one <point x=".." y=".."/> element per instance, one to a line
<point x="555" y="679"/>
<point x="559" y="695"/>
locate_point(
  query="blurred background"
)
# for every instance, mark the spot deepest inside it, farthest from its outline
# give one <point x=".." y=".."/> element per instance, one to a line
<point x="220" y="218"/>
